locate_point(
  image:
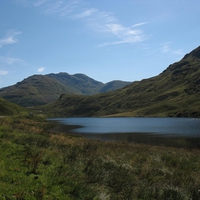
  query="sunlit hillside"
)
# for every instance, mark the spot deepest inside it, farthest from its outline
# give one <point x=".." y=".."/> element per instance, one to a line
<point x="174" y="92"/>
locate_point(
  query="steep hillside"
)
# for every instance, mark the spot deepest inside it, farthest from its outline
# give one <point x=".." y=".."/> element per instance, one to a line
<point x="175" y="92"/>
<point x="35" y="90"/>
<point x="7" y="108"/>
<point x="43" y="89"/>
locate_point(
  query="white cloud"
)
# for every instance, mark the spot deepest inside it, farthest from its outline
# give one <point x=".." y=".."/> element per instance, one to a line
<point x="99" y="21"/>
<point x="166" y="48"/>
<point x="41" y="69"/>
<point x="84" y="14"/>
<point x="108" y="24"/>
<point x="57" y="7"/>
<point x="124" y="34"/>
<point x="9" y="38"/>
<point x="139" y="24"/>
<point x="54" y="8"/>
<point x="3" y="72"/>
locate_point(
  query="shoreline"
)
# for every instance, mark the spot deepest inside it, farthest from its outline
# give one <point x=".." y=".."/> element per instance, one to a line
<point x="38" y="163"/>
<point x="137" y="138"/>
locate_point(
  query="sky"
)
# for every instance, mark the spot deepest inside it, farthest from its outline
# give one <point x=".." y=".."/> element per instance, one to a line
<point x="107" y="40"/>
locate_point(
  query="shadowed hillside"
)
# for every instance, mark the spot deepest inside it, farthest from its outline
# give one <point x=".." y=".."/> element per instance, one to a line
<point x="43" y="89"/>
<point x="8" y="108"/>
<point x="174" y="92"/>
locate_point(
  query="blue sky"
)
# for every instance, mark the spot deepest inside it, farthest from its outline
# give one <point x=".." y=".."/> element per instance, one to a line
<point x="105" y="39"/>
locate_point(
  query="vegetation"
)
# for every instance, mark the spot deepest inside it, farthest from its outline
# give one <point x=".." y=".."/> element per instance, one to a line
<point x="8" y="108"/>
<point x="175" y="92"/>
<point x="39" y="90"/>
<point x="36" y="163"/>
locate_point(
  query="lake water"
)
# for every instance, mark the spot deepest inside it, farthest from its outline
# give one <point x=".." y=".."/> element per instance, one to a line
<point x="179" y="132"/>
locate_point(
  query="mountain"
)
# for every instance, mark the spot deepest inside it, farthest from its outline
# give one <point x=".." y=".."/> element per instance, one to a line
<point x="43" y="89"/>
<point x="174" y="92"/>
<point x="113" y="85"/>
<point x="7" y="108"/>
<point x="78" y="83"/>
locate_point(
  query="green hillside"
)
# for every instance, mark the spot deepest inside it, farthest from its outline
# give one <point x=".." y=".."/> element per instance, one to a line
<point x="8" y="108"/>
<point x="79" y="83"/>
<point x="35" y="90"/>
<point x="174" y="92"/>
<point x="42" y="89"/>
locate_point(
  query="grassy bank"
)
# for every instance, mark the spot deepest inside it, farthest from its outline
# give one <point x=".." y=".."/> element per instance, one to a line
<point x="38" y="164"/>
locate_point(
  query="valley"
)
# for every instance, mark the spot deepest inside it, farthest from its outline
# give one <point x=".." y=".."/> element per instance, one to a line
<point x="173" y="93"/>
<point x="39" y="163"/>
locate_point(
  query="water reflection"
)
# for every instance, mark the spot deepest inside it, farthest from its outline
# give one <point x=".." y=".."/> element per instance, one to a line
<point x="176" y="132"/>
<point x="150" y="139"/>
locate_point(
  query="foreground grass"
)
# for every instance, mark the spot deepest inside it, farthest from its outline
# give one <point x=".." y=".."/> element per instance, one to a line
<point x="38" y="164"/>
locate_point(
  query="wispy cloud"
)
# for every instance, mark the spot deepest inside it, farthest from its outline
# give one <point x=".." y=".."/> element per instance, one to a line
<point x="85" y="13"/>
<point x="57" y="7"/>
<point x="3" y="72"/>
<point x="54" y="8"/>
<point x="166" y="48"/>
<point x="179" y="52"/>
<point x="99" y="21"/>
<point x="124" y="34"/>
<point x="41" y="69"/>
<point x="10" y="61"/>
<point x="40" y="2"/>
<point x="139" y="24"/>
<point x="108" y="24"/>
<point x="9" y="38"/>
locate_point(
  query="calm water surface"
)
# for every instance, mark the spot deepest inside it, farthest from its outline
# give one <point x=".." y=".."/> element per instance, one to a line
<point x="179" y="132"/>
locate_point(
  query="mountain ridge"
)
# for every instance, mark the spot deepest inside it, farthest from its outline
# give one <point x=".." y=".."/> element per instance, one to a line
<point x="174" y="92"/>
<point x="42" y="89"/>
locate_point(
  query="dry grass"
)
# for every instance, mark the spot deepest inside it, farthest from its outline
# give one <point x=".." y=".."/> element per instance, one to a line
<point x="37" y="164"/>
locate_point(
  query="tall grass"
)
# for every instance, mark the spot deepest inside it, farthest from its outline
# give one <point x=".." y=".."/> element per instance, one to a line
<point x="38" y="164"/>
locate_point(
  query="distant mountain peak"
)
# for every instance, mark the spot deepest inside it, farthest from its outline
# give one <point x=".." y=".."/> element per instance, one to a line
<point x="42" y="89"/>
